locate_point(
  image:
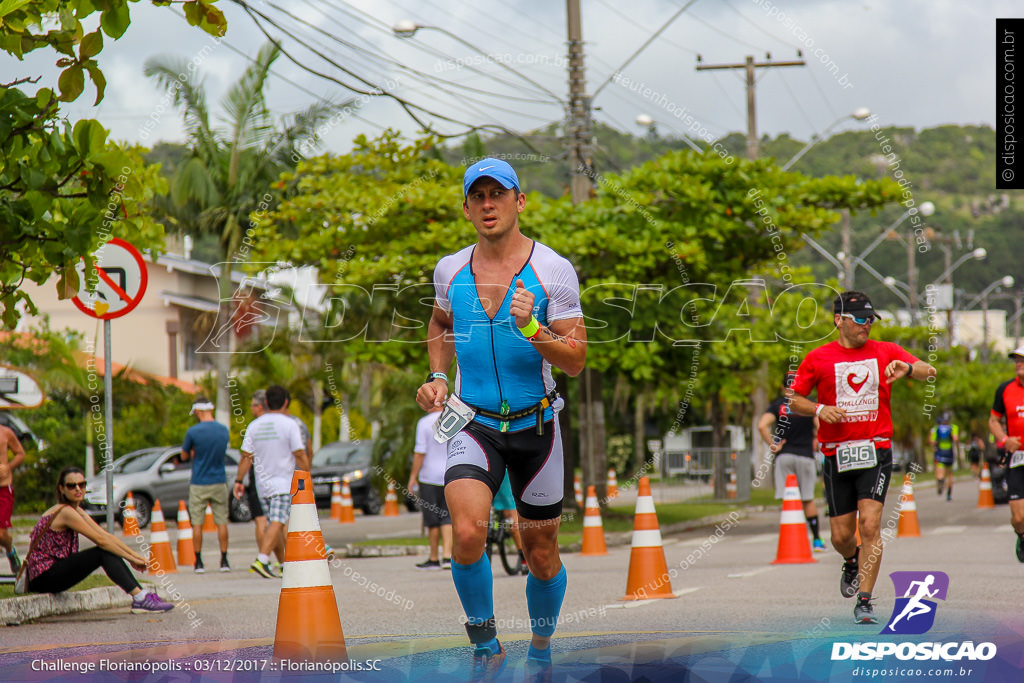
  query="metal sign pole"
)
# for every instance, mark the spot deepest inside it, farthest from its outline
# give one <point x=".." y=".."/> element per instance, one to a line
<point x="108" y="396"/>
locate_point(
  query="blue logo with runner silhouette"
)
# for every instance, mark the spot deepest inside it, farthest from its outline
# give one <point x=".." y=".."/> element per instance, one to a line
<point x="914" y="612"/>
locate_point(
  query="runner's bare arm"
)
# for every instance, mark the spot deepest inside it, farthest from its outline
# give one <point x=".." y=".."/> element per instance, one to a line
<point x="14" y="446"/>
<point x="563" y="343"/>
<point x="996" y="427"/>
<point x="302" y="461"/>
<point x="801" y="405"/>
<point x="764" y="427"/>
<point x="899" y="368"/>
<point x="244" y="465"/>
<point x="441" y="350"/>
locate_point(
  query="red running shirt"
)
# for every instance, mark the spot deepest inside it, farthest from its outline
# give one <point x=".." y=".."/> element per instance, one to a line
<point x="1009" y="401"/>
<point x="854" y="380"/>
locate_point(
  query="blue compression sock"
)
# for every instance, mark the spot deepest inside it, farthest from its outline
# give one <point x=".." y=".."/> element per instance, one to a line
<point x="544" y="600"/>
<point x="474" y="584"/>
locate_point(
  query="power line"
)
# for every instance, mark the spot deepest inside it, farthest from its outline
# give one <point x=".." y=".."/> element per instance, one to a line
<point x="757" y="26"/>
<point x="643" y="47"/>
<point x="409" y="107"/>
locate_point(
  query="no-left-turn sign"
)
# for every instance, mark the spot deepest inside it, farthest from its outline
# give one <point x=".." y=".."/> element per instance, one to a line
<point x="120" y="283"/>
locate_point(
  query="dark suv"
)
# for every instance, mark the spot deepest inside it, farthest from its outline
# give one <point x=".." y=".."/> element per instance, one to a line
<point x="351" y="460"/>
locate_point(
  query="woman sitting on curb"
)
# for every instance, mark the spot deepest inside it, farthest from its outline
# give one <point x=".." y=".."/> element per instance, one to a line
<point x="54" y="563"/>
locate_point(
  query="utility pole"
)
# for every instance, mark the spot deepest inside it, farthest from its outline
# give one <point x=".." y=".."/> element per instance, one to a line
<point x="847" y="247"/>
<point x="581" y="168"/>
<point x="759" y="399"/>
<point x="578" y="129"/>
<point x="750" y="67"/>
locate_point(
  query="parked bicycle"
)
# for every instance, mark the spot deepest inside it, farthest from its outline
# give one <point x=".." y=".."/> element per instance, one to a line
<point x="499" y="535"/>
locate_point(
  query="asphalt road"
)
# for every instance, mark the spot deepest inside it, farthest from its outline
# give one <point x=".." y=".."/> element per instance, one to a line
<point x="735" y="611"/>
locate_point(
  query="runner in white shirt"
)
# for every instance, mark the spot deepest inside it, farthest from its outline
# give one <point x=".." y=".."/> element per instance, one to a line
<point x="273" y="448"/>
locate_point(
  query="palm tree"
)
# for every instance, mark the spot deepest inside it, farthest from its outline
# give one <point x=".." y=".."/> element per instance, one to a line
<point x="223" y="186"/>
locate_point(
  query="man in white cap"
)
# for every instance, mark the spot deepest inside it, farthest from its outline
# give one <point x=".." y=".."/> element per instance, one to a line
<point x="206" y="444"/>
<point x="1009" y="404"/>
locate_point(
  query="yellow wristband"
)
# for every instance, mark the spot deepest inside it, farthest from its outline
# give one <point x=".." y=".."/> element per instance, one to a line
<point x="531" y="327"/>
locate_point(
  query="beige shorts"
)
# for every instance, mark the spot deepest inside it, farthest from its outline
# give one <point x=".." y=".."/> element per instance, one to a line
<point x="216" y="495"/>
<point x="803" y="467"/>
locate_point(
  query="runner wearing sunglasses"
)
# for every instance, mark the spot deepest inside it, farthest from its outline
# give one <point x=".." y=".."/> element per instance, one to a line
<point x="853" y="378"/>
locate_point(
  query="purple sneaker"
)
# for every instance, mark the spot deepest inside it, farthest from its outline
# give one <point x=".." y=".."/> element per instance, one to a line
<point x="150" y="603"/>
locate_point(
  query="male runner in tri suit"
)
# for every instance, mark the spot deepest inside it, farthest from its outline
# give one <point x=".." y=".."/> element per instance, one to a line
<point x="508" y="308"/>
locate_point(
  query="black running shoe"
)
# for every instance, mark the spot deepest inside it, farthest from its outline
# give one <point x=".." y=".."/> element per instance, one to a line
<point x="863" y="613"/>
<point x="1020" y="548"/>
<point x="849" y="582"/>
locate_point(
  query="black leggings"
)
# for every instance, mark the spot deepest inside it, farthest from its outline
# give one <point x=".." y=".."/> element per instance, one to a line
<point x="72" y="569"/>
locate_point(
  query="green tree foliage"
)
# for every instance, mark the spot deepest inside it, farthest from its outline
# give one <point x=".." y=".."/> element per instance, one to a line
<point x="63" y="185"/>
<point x="227" y="173"/>
<point x="659" y="252"/>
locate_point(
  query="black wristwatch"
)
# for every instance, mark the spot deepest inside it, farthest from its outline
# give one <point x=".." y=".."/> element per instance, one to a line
<point x="240" y="481"/>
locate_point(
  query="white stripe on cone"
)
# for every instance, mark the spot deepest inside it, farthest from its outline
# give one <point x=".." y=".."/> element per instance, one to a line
<point x="159" y="537"/>
<point x="306" y="574"/>
<point x="646" y="538"/>
<point x="592" y="520"/>
<point x="591" y="501"/>
<point x="644" y="504"/>
<point x="303" y="517"/>
<point x="791" y="493"/>
<point x="908" y="505"/>
<point x="793" y="517"/>
<point x="156" y="516"/>
<point x="184" y="533"/>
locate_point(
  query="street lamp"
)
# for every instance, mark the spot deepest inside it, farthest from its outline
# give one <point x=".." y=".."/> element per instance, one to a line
<point x="858" y="114"/>
<point x="407" y="28"/>
<point x="978" y="254"/>
<point x="646" y="121"/>
<point x="1005" y="281"/>
<point x="891" y="282"/>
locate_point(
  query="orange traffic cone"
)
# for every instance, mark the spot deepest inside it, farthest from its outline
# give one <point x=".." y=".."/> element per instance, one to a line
<point x="347" y="515"/>
<point x="336" y="500"/>
<point x="160" y="557"/>
<point x="308" y="623"/>
<point x="593" y="531"/>
<point x="577" y="489"/>
<point x="391" y="501"/>
<point x="908" y="524"/>
<point x="648" y="572"/>
<point x="129" y="522"/>
<point x="186" y="550"/>
<point x="208" y="524"/>
<point x="985" y="499"/>
<point x="613" y="485"/>
<point x="730" y="487"/>
<point x="794" y="545"/>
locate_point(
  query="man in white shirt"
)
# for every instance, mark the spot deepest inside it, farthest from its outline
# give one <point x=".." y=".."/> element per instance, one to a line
<point x="429" y="461"/>
<point x="273" y="448"/>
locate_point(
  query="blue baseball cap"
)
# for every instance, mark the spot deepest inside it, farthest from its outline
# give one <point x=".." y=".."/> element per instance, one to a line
<point x="490" y="168"/>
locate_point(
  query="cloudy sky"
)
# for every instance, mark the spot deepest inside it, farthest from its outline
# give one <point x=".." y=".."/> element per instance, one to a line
<point x="911" y="62"/>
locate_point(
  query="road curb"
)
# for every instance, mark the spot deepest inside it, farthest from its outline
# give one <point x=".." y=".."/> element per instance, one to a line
<point x="17" y="610"/>
<point x="382" y="550"/>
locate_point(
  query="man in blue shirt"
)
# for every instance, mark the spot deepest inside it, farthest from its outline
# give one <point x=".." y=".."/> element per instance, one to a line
<point x="206" y="444"/>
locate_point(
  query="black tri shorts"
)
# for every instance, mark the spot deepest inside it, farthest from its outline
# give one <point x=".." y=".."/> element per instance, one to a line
<point x="844" y="489"/>
<point x="534" y="464"/>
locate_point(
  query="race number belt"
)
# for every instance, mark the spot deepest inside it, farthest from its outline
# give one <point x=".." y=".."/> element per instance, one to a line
<point x="505" y="417"/>
<point x="856" y="455"/>
<point x="1017" y="459"/>
<point x="457" y="414"/>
